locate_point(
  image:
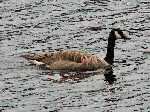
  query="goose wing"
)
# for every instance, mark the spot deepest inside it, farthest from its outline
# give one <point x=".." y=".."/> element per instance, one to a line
<point x="49" y="58"/>
<point x="67" y="60"/>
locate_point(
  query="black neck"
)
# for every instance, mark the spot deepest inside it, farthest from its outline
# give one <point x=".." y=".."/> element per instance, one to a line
<point x="110" y="48"/>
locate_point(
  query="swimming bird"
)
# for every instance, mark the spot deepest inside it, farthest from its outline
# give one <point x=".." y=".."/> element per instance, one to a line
<point x="72" y="60"/>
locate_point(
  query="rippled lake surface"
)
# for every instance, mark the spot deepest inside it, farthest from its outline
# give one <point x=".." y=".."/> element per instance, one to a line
<point x="50" y="25"/>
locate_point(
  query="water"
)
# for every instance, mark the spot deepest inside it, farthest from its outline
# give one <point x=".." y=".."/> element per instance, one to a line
<point x="51" y="25"/>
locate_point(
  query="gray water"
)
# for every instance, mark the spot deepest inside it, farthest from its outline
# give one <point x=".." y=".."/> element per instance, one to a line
<point x="50" y="25"/>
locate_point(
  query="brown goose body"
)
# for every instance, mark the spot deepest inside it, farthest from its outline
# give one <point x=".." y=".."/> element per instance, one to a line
<point x="68" y="60"/>
<point x="77" y="60"/>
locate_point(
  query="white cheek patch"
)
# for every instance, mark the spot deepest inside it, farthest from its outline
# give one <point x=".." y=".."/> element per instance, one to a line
<point x="118" y="36"/>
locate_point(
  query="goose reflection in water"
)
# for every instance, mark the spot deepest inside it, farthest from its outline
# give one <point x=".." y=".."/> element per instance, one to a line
<point x="109" y="76"/>
<point x="62" y="76"/>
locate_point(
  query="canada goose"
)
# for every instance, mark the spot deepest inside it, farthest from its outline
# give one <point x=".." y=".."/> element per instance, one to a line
<point x="77" y="60"/>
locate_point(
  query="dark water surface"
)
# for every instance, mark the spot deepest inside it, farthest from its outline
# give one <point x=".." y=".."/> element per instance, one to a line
<point x="51" y="25"/>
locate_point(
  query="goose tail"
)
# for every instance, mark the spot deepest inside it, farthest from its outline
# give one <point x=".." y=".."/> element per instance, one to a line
<point x="29" y="56"/>
<point x="33" y="58"/>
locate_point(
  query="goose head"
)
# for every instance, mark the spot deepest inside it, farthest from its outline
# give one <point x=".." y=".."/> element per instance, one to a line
<point x="119" y="34"/>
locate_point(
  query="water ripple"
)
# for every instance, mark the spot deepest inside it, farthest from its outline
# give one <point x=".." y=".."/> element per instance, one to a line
<point x="51" y="25"/>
